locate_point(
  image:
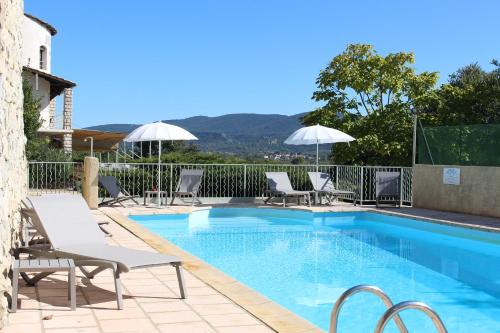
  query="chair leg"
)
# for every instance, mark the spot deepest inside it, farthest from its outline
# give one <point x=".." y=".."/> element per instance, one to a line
<point x="15" y="288"/>
<point x="172" y="201"/>
<point x="118" y="289"/>
<point x="34" y="280"/>
<point x="91" y="274"/>
<point x="180" y="279"/>
<point x="198" y="199"/>
<point x="72" y="288"/>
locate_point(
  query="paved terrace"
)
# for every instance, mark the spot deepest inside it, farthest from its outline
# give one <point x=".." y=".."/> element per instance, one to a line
<point x="151" y="302"/>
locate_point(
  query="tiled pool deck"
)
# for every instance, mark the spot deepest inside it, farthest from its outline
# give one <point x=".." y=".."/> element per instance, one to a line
<point x="215" y="303"/>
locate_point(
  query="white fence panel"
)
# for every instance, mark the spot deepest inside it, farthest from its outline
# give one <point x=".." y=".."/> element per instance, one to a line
<point x="219" y="180"/>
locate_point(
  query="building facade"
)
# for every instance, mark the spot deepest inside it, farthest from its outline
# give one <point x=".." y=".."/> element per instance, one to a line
<point x="36" y="60"/>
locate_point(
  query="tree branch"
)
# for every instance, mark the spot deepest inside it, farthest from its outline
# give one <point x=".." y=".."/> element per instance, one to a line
<point x="370" y="101"/>
<point x="364" y="104"/>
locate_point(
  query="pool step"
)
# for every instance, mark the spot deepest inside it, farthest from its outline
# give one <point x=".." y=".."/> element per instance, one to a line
<point x="392" y="310"/>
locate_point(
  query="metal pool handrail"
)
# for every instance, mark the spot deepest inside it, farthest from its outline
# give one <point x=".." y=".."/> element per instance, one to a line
<point x="364" y="288"/>
<point x="393" y="311"/>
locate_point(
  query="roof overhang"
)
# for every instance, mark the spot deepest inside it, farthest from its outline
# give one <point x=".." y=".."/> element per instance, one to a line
<point x="44" y="24"/>
<point x="54" y="131"/>
<point x="103" y="141"/>
<point x="57" y="84"/>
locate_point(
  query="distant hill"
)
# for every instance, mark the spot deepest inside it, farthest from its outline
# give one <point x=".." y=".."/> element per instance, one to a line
<point x="239" y="133"/>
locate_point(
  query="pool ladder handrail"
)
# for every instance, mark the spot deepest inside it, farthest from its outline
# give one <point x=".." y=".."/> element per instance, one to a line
<point x="391" y="312"/>
<point x="358" y="289"/>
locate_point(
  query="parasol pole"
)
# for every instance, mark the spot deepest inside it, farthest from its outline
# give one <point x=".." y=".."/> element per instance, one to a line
<point x="317" y="170"/>
<point x="159" y="173"/>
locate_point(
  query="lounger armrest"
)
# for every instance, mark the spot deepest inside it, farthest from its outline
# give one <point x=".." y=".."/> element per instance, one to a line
<point x="37" y="252"/>
<point x="98" y="263"/>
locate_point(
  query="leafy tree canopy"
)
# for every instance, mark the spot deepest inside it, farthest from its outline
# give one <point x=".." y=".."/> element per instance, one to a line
<point x="371" y="97"/>
<point x="37" y="148"/>
<point x="31" y="113"/>
<point x="472" y="96"/>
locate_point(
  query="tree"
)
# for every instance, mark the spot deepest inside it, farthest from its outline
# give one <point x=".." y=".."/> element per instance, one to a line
<point x="31" y="113"/>
<point x="466" y="111"/>
<point x="372" y="98"/>
<point x="298" y="160"/>
<point x="471" y="96"/>
<point x="37" y="147"/>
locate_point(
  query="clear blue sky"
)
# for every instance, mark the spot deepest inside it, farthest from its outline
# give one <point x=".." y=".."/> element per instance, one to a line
<point x="141" y="61"/>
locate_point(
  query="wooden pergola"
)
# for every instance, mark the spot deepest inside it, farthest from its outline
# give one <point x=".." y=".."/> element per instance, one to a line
<point x="103" y="141"/>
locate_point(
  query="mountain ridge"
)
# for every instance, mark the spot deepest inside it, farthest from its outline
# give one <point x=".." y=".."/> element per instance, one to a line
<point x="236" y="133"/>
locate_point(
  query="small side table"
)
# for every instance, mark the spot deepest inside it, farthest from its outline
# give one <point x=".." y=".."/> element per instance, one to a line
<point x="44" y="266"/>
<point x="149" y="194"/>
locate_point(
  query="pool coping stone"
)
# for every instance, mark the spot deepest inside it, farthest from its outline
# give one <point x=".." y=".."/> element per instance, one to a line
<point x="270" y="313"/>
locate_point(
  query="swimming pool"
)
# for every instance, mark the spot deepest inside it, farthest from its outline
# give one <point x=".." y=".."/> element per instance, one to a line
<point x="305" y="260"/>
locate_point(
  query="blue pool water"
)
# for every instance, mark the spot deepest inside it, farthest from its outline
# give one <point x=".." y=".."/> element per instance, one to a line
<point x="304" y="261"/>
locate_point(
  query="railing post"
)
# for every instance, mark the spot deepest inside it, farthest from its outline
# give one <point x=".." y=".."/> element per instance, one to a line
<point x="361" y="187"/>
<point x="400" y="186"/>
<point x="171" y="180"/>
<point x="336" y="177"/>
<point x="245" y="180"/>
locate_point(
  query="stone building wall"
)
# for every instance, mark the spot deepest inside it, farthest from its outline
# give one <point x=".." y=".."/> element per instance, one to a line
<point x="12" y="141"/>
<point x="67" y="115"/>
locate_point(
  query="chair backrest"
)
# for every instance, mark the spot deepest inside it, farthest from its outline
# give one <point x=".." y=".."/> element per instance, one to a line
<point x="321" y="181"/>
<point x="28" y="212"/>
<point x="110" y="184"/>
<point x="190" y="180"/>
<point x="279" y="181"/>
<point x="67" y="220"/>
<point x="387" y="183"/>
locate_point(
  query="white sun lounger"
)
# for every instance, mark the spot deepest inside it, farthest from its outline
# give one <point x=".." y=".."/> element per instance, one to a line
<point x="74" y="233"/>
<point x="323" y="185"/>
<point x="280" y="186"/>
<point x="387" y="187"/>
<point x="188" y="185"/>
<point x="118" y="194"/>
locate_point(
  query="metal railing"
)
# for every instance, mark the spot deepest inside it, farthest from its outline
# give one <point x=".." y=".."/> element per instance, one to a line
<point x="50" y="177"/>
<point x="391" y="312"/>
<point x="427" y="310"/>
<point x="358" y="289"/>
<point x="222" y="180"/>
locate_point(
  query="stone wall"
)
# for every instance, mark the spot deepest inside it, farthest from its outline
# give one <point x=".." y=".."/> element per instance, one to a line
<point x="478" y="192"/>
<point x="67" y="116"/>
<point x="12" y="141"/>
